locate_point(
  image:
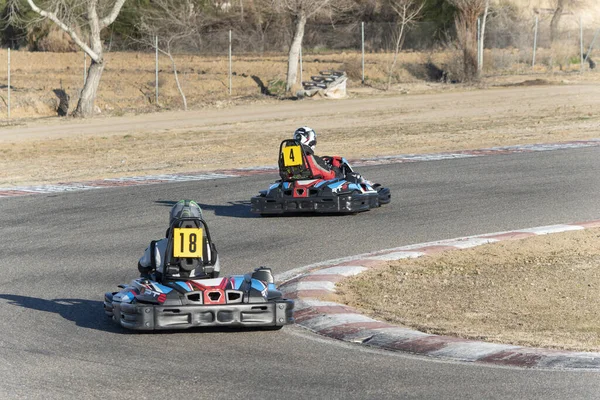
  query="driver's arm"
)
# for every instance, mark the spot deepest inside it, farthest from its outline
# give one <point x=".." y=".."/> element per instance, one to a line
<point x="318" y="167"/>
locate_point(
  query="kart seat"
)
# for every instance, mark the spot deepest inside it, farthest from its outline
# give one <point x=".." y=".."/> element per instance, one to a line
<point x="189" y="250"/>
<point x="292" y="162"/>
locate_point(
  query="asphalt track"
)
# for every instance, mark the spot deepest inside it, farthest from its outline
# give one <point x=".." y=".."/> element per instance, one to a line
<point x="61" y="252"/>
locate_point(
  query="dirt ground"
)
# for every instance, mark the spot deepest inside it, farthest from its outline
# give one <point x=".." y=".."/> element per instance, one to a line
<point x="540" y="291"/>
<point x="414" y="117"/>
<point x="542" y="288"/>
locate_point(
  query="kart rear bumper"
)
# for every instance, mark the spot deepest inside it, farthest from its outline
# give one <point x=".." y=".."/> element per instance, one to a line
<point x="140" y="316"/>
<point x="349" y="203"/>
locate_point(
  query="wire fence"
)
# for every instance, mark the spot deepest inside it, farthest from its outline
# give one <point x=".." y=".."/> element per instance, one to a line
<point x="510" y="46"/>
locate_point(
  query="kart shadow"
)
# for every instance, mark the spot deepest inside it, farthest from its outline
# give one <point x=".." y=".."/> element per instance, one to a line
<point x="241" y="209"/>
<point x="90" y="314"/>
<point x="204" y="330"/>
<point x="290" y="214"/>
<point x="236" y="209"/>
<point x="85" y="313"/>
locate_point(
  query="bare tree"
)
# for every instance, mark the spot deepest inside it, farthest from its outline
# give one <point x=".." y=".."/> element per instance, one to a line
<point x="466" y="31"/>
<point x="559" y="9"/>
<point x="78" y="18"/>
<point x="262" y="16"/>
<point x="407" y="12"/>
<point x="168" y="22"/>
<point x="486" y="9"/>
<point x="301" y="11"/>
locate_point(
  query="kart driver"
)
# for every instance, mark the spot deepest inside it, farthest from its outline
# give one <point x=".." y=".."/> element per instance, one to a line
<point x="319" y="167"/>
<point x="182" y="209"/>
<point x="324" y="167"/>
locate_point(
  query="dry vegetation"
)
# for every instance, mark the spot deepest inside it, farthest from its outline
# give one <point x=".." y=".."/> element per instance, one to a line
<point x="128" y="81"/>
<point x="445" y="122"/>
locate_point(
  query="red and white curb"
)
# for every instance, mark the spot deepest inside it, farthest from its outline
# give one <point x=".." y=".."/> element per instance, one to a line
<point x="310" y="287"/>
<point x="233" y="173"/>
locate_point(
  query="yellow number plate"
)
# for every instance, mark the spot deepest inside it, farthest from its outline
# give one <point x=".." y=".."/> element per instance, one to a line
<point x="292" y="156"/>
<point x="187" y="242"/>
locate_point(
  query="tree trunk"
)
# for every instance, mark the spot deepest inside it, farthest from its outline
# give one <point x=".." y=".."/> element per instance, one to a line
<point x="470" y="54"/>
<point x="399" y="41"/>
<point x="294" y="54"/>
<point x="183" y="98"/>
<point x="560" y="5"/>
<point x="85" y="105"/>
<point x="482" y="35"/>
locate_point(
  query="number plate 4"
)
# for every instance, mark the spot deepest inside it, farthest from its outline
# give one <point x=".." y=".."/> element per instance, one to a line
<point x="292" y="156"/>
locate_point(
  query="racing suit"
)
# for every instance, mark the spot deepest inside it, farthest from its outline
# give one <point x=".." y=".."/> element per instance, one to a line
<point x="145" y="262"/>
<point x="320" y="167"/>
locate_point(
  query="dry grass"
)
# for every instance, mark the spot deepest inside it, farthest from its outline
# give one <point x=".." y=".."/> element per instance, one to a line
<point x="539" y="291"/>
<point x="449" y="119"/>
<point x="128" y="81"/>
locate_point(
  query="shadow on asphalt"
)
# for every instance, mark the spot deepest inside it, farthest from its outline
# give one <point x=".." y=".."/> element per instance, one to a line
<point x="236" y="209"/>
<point x="90" y="314"/>
<point x="241" y="209"/>
<point x="85" y="313"/>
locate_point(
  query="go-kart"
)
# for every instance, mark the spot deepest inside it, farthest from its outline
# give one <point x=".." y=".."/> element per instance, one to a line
<point x="301" y="191"/>
<point x="175" y="300"/>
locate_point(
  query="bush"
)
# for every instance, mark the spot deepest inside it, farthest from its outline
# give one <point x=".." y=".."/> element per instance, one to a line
<point x="353" y="68"/>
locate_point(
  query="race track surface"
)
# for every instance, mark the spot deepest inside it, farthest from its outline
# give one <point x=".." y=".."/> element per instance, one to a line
<point x="61" y="252"/>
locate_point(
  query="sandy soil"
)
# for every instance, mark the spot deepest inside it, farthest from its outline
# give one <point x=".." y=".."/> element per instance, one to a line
<point x="540" y="291"/>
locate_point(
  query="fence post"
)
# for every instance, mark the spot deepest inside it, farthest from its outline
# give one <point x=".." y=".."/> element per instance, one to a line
<point x="478" y="45"/>
<point x="362" y="41"/>
<point x="8" y="84"/>
<point x="581" y="44"/>
<point x="535" y="40"/>
<point x="156" y="70"/>
<point x="230" y="62"/>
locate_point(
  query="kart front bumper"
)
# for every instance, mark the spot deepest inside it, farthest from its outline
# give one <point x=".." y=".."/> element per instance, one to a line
<point x="140" y="316"/>
<point x="350" y="203"/>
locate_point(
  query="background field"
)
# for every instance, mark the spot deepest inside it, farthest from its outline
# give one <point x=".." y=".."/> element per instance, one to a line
<point x="128" y="83"/>
<point x="416" y="116"/>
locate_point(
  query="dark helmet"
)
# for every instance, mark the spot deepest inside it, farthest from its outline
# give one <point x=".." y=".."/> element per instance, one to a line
<point x="306" y="136"/>
<point x="185" y="209"/>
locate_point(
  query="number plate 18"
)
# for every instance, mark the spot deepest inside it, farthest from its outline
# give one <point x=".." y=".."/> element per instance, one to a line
<point x="292" y="156"/>
<point x="187" y="242"/>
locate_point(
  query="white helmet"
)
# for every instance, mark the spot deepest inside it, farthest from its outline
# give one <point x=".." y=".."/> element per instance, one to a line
<point x="306" y="136"/>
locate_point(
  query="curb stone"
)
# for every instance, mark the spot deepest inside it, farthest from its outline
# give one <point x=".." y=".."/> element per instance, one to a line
<point x="234" y="173"/>
<point x="307" y="285"/>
